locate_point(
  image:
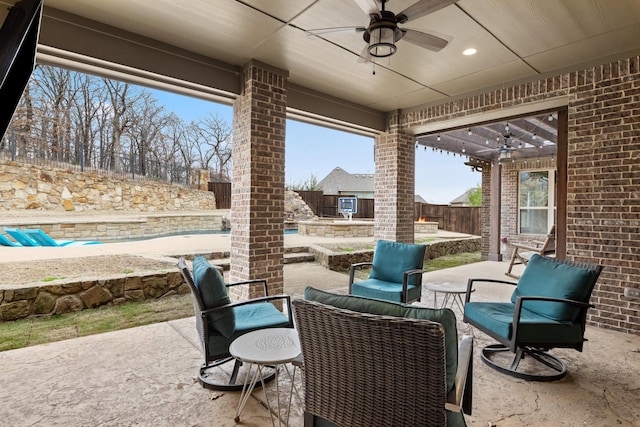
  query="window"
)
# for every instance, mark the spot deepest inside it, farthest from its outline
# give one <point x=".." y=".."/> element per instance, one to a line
<point x="537" y="203"/>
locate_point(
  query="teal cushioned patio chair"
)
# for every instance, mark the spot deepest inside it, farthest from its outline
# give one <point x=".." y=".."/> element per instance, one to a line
<point x="369" y="363"/>
<point x="220" y="321"/>
<point x="396" y="273"/>
<point x="548" y="309"/>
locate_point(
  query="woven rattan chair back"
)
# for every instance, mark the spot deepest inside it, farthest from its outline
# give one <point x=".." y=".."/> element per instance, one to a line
<point x="368" y="370"/>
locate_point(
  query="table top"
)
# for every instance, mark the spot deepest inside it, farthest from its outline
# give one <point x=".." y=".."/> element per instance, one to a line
<point x="267" y="346"/>
<point x="448" y="287"/>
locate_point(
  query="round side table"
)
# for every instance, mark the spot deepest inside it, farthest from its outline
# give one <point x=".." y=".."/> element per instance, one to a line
<point x="452" y="294"/>
<point x="266" y="347"/>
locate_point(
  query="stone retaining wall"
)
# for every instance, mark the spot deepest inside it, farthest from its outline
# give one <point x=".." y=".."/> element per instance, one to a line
<point x="121" y="228"/>
<point x="355" y="228"/>
<point x="30" y="187"/>
<point x="40" y="299"/>
<point x="341" y="261"/>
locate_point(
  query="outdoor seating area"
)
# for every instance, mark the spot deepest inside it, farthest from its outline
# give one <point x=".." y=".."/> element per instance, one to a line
<point x="148" y="375"/>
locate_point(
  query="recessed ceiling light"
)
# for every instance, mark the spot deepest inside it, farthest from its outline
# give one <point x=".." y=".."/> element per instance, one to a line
<point x="470" y="51"/>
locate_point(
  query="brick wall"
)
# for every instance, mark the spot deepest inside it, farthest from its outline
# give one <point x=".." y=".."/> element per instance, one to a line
<point x="394" y="185"/>
<point x="257" y="200"/>
<point x="509" y="199"/>
<point x="603" y="200"/>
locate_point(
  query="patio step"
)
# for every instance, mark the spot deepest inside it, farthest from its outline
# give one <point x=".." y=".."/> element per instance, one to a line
<point x="290" y="257"/>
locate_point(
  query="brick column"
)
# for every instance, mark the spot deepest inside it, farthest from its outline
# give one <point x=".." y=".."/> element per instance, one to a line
<point x="394" y="185"/>
<point x="257" y="195"/>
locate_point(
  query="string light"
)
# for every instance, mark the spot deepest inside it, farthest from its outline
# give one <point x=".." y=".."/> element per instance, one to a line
<point x="469" y="132"/>
<point x="438" y="138"/>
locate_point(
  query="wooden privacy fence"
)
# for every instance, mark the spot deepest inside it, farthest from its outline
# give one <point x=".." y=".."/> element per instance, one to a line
<point x="222" y="190"/>
<point x="461" y="219"/>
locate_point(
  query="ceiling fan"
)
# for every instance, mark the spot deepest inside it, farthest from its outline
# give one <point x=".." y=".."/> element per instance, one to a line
<point x="504" y="151"/>
<point x="383" y="31"/>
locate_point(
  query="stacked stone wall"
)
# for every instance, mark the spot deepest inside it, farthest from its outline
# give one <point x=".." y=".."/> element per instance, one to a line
<point x="66" y="297"/>
<point x="29" y="187"/>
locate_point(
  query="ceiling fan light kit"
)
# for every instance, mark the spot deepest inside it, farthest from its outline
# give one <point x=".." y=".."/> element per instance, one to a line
<point x="383" y="32"/>
<point x="382" y="36"/>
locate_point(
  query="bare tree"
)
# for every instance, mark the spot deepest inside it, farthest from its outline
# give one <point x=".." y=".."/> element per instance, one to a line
<point x="87" y="116"/>
<point x="148" y="120"/>
<point x="122" y="97"/>
<point x="215" y="133"/>
<point x="57" y="95"/>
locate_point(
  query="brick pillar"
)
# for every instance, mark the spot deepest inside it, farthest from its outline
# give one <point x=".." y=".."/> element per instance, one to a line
<point x="394" y="185"/>
<point x="257" y="195"/>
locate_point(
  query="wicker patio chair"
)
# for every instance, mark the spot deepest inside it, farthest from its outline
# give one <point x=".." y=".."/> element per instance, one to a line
<point x="219" y="321"/>
<point x="366" y="370"/>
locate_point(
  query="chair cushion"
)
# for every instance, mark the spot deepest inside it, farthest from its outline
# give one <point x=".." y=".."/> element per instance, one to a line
<point x="392" y="259"/>
<point x="546" y="277"/>
<point x="444" y="316"/>
<point x="248" y="317"/>
<point x="213" y="291"/>
<point x="379" y="289"/>
<point x="533" y="328"/>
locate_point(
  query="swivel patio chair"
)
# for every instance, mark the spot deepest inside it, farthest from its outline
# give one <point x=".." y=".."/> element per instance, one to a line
<point x="522" y="253"/>
<point x="396" y="273"/>
<point x="548" y="309"/>
<point x="219" y="321"/>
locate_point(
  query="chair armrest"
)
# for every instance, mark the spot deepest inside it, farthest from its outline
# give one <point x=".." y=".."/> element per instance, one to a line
<point x="252" y="282"/>
<point x="271" y="298"/>
<point x="470" y="283"/>
<point x="405" y="281"/>
<point x="518" y="310"/>
<point x="459" y="398"/>
<point x="526" y="247"/>
<point x="352" y="271"/>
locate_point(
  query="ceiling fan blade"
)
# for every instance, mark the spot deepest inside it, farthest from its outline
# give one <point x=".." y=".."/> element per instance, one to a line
<point x="365" y="56"/>
<point x="319" y="31"/>
<point x="368" y="6"/>
<point x="428" y="41"/>
<point x="421" y="8"/>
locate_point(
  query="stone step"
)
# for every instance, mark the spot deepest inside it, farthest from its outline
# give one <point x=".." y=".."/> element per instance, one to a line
<point x="297" y="257"/>
<point x="292" y="257"/>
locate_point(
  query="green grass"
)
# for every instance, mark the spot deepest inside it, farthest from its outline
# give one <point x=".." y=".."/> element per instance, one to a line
<point x="449" y="261"/>
<point x="27" y="332"/>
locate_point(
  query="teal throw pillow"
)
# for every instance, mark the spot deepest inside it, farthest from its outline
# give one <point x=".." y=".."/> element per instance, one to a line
<point x="392" y="259"/>
<point x="547" y="277"/>
<point x="213" y="291"/>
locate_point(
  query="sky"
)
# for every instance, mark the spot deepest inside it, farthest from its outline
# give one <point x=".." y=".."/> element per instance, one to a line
<point x="316" y="150"/>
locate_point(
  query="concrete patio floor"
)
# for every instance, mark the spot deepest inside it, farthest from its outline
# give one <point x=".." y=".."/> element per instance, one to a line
<point x="147" y="375"/>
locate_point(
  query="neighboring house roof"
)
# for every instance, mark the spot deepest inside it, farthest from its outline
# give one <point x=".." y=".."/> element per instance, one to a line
<point x="340" y="181"/>
<point x="463" y="199"/>
<point x="418" y="199"/>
